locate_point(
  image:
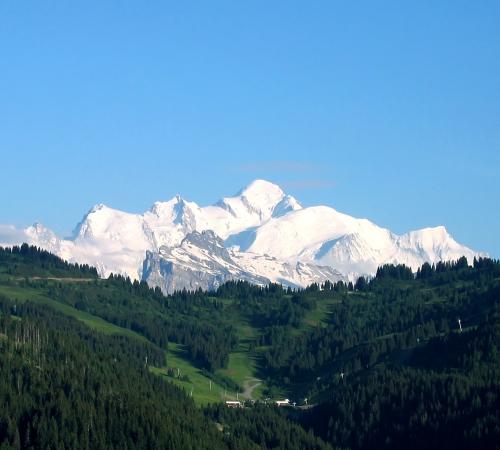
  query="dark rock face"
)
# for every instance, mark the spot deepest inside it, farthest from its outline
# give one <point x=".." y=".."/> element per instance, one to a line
<point x="170" y="277"/>
<point x="201" y="261"/>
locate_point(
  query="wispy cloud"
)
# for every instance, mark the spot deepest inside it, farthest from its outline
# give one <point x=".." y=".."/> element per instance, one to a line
<point x="290" y="174"/>
<point x="278" y="166"/>
<point x="308" y="184"/>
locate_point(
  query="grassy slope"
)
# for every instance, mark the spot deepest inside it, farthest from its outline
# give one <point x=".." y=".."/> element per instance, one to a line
<point x="23" y="294"/>
<point x="242" y="367"/>
<point x="202" y="388"/>
<point x="320" y="314"/>
<point x="176" y="357"/>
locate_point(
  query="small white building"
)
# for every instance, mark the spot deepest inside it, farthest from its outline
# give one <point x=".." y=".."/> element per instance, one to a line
<point x="234" y="404"/>
<point x="285" y="402"/>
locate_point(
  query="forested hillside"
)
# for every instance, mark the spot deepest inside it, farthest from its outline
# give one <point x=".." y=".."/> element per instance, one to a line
<point x="446" y="396"/>
<point x="402" y="360"/>
<point x="64" y="385"/>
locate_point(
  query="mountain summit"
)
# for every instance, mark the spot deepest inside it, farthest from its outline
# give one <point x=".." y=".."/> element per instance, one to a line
<point x="260" y="234"/>
<point x="260" y="198"/>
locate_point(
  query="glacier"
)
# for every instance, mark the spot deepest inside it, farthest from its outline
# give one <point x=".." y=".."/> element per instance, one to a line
<point x="261" y="235"/>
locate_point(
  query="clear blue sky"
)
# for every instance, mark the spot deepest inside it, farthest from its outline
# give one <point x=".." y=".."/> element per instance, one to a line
<point x="385" y="110"/>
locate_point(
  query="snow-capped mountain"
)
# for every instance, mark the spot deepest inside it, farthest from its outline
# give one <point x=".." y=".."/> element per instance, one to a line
<point x="261" y="234"/>
<point x="202" y="261"/>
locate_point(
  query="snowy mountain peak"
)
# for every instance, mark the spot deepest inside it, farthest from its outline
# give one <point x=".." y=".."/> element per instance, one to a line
<point x="98" y="210"/>
<point x="97" y="207"/>
<point x="261" y="199"/>
<point x="169" y="221"/>
<point x="435" y="244"/>
<point x="39" y="227"/>
<point x="43" y="236"/>
<point x="260" y="190"/>
<point x="103" y="223"/>
<point x="439" y="232"/>
<point x="428" y="239"/>
<point x="175" y="204"/>
<point x="41" y="232"/>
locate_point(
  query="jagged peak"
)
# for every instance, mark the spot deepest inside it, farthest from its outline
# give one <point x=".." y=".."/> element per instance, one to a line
<point x="98" y="214"/>
<point x="39" y="234"/>
<point x="209" y="235"/>
<point x="97" y="207"/>
<point x="175" y="202"/>
<point x="104" y="210"/>
<point x="286" y="205"/>
<point x="39" y="226"/>
<point x="206" y="240"/>
<point x="177" y="211"/>
<point x="39" y="230"/>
